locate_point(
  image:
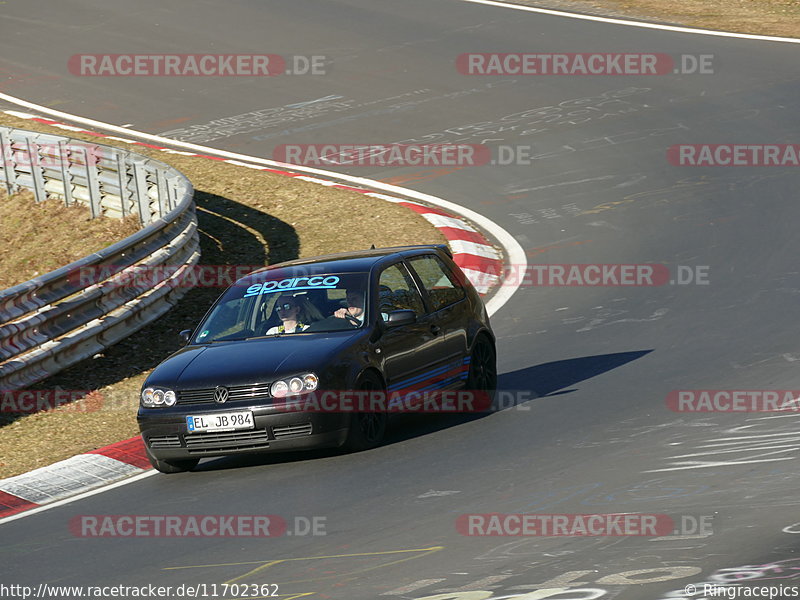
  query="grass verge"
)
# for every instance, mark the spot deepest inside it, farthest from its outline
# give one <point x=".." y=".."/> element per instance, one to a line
<point x="40" y="237"/>
<point x="765" y="17"/>
<point x="246" y="217"/>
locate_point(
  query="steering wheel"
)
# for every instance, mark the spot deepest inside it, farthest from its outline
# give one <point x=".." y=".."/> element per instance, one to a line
<point x="352" y="320"/>
<point x="330" y="324"/>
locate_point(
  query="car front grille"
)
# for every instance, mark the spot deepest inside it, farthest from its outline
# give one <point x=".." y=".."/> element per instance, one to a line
<point x="289" y="431"/>
<point x="165" y="441"/>
<point x="200" y="443"/>
<point x="235" y="393"/>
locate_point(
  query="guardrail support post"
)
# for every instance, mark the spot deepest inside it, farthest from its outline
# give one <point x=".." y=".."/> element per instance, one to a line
<point x="140" y="181"/>
<point x="8" y="163"/>
<point x="94" y="185"/>
<point x="34" y="161"/>
<point x="173" y="192"/>
<point x="124" y="192"/>
<point x="163" y="199"/>
<point x="66" y="176"/>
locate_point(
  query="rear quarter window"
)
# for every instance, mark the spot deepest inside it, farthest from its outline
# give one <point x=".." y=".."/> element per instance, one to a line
<point x="441" y="285"/>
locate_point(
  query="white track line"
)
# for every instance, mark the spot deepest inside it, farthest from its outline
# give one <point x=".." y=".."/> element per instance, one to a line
<point x="632" y="23"/>
<point x="515" y="255"/>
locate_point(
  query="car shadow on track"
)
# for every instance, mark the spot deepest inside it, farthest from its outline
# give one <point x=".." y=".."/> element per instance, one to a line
<point x="547" y="378"/>
<point x="514" y="388"/>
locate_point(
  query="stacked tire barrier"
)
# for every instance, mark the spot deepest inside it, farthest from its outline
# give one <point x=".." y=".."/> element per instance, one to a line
<point x="72" y="313"/>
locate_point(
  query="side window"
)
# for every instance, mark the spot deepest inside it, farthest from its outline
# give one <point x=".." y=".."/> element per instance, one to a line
<point x="442" y="287"/>
<point x="396" y="291"/>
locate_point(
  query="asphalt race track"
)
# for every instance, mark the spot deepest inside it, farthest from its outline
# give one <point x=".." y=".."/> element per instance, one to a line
<point x="591" y="368"/>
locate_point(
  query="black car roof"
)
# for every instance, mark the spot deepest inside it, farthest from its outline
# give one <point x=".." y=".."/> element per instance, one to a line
<point x="357" y="260"/>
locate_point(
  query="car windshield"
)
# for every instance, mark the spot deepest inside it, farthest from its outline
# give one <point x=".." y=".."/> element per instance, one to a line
<point x="287" y="302"/>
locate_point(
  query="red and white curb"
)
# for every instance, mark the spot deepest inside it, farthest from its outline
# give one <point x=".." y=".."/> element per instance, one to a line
<point x="72" y="476"/>
<point x="478" y="258"/>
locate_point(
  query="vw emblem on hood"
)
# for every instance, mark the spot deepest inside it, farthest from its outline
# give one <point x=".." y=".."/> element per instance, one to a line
<point x="220" y="394"/>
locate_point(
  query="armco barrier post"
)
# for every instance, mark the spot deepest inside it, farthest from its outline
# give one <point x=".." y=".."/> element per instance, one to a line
<point x="94" y="186"/>
<point x="66" y="174"/>
<point x="34" y="163"/>
<point x="140" y="185"/>
<point x="8" y="169"/>
<point x="124" y="193"/>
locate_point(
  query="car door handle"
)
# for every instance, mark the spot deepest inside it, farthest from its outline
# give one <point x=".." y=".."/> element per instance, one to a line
<point x="435" y="329"/>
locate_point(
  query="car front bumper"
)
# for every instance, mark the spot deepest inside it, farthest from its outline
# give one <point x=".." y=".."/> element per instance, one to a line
<point x="166" y="434"/>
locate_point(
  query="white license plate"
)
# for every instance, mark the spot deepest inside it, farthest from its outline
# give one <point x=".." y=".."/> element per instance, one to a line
<point x="231" y="421"/>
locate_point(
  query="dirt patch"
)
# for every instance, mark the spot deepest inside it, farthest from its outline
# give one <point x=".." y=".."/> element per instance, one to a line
<point x="246" y="217"/>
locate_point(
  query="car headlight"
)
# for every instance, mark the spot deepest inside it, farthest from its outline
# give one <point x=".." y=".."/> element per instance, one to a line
<point x="296" y="385"/>
<point x="156" y="397"/>
<point x="292" y="386"/>
<point x="279" y="389"/>
<point x="311" y="381"/>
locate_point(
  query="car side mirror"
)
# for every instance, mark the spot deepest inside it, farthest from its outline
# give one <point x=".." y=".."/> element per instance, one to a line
<point x="185" y="335"/>
<point x="397" y="318"/>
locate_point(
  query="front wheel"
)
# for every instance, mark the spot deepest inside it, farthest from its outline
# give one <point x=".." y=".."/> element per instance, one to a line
<point x="366" y="429"/>
<point x="170" y="466"/>
<point x="482" y="379"/>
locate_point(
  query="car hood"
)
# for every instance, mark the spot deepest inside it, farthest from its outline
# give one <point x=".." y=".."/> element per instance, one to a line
<point x="249" y="361"/>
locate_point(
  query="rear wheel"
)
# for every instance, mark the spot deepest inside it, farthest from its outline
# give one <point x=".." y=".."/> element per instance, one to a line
<point x="366" y="428"/>
<point x="171" y="466"/>
<point x="482" y="379"/>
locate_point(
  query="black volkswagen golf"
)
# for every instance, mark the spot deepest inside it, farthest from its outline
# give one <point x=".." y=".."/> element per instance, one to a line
<point x="391" y="322"/>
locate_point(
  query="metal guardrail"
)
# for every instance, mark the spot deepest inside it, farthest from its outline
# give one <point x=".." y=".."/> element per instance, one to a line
<point x="60" y="318"/>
